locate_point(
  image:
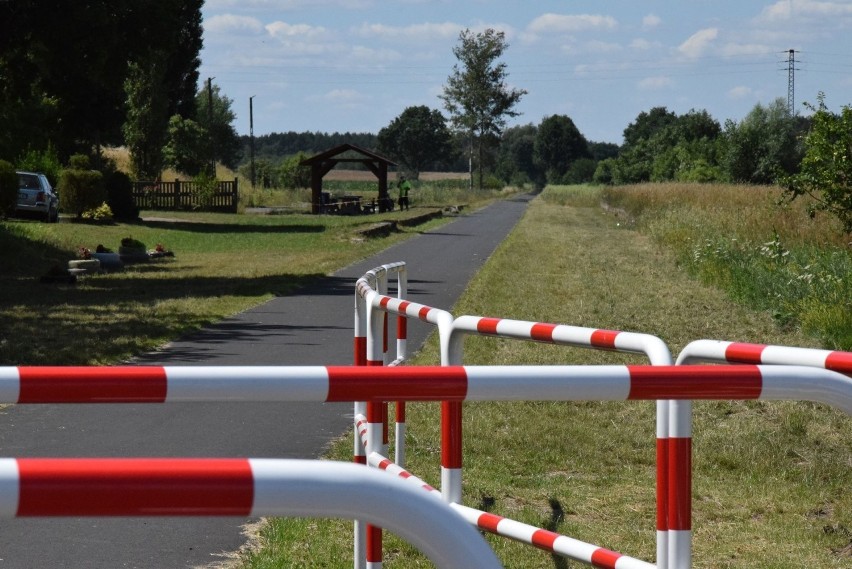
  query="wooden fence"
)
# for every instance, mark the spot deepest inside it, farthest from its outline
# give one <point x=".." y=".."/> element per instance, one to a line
<point x="180" y="195"/>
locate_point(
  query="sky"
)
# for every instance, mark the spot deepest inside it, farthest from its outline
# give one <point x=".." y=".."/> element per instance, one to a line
<point x="355" y="65"/>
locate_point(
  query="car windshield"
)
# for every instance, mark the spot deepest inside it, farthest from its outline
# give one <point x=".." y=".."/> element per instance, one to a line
<point x="28" y="182"/>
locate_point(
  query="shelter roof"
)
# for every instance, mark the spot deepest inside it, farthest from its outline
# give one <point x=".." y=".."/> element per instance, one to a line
<point x="332" y="153"/>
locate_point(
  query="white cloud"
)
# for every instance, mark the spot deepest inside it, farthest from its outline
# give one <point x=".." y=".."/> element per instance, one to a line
<point x="699" y="42"/>
<point x="561" y="23"/>
<point x="740" y="92"/>
<point x="300" y="39"/>
<point x="790" y="10"/>
<point x="231" y="24"/>
<point x="643" y="44"/>
<point x="415" y="31"/>
<point x="282" y="30"/>
<point x="651" y="21"/>
<point x="655" y="83"/>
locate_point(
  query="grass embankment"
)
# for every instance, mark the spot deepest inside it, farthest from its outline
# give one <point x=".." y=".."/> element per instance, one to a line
<point x="772" y="480"/>
<point x="223" y="264"/>
<point x="766" y="256"/>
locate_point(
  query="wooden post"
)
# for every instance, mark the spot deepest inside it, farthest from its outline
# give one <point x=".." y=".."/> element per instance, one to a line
<point x="177" y="194"/>
<point x="316" y="187"/>
<point x="235" y="196"/>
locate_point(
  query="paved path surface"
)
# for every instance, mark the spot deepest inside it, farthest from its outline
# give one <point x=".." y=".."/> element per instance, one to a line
<point x="313" y="327"/>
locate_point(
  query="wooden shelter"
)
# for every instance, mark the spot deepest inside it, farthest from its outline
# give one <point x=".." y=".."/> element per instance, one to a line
<point x="324" y="162"/>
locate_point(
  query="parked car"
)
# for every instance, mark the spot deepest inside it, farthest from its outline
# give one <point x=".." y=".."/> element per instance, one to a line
<point x="36" y="196"/>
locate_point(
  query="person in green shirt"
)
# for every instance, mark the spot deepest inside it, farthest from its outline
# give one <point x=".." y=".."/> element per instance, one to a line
<point x="404" y="187"/>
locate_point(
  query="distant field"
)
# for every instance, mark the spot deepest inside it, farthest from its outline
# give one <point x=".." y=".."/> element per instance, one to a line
<point x="361" y="175"/>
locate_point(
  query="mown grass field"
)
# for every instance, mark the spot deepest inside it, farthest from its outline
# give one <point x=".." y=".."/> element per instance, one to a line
<point x="771" y="480"/>
<point x="222" y="264"/>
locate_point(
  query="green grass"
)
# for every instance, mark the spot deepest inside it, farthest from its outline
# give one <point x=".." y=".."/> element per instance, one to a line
<point x="772" y="480"/>
<point x="223" y="264"/>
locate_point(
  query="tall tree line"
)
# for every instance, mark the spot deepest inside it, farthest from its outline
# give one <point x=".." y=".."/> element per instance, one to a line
<point x="283" y="144"/>
<point x="63" y="68"/>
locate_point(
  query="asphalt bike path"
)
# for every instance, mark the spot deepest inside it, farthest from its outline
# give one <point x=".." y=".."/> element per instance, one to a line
<point x="310" y="327"/>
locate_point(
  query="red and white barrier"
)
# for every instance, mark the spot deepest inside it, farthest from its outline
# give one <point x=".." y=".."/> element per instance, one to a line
<point x="651" y="347"/>
<point x="35" y="384"/>
<point x="451" y="334"/>
<point x="736" y="352"/>
<point x="543" y="539"/>
<point x="371" y="349"/>
<point x="35" y="487"/>
<point x="376" y="281"/>
<point x="455" y="383"/>
<point x="702" y="351"/>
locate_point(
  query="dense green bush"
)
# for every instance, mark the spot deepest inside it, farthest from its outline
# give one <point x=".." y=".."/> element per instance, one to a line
<point x="44" y="161"/>
<point x="8" y="188"/>
<point x="81" y="189"/>
<point x="292" y="175"/>
<point x="119" y="190"/>
<point x="205" y="187"/>
<point x="581" y="171"/>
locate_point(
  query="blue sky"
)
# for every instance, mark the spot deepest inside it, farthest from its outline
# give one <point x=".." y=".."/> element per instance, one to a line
<point x="354" y="65"/>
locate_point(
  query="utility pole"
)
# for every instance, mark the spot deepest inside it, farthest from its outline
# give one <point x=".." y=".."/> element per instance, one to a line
<point x="251" y="138"/>
<point x="791" y="81"/>
<point x="210" y="125"/>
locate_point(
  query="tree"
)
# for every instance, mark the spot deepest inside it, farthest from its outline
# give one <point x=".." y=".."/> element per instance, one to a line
<point x="186" y="146"/>
<point x="417" y="139"/>
<point x="687" y="149"/>
<point x="292" y="174"/>
<point x="764" y="146"/>
<point x="558" y="144"/>
<point x="647" y="124"/>
<point x="223" y="144"/>
<point x="476" y="94"/>
<point x="516" y="161"/>
<point x="603" y="150"/>
<point x="147" y="117"/>
<point x="8" y="189"/>
<point x="826" y="169"/>
<point x="192" y="144"/>
<point x="662" y="146"/>
<point x="64" y="70"/>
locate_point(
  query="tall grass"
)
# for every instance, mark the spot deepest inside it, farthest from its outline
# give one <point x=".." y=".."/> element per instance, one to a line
<point x="770" y="256"/>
